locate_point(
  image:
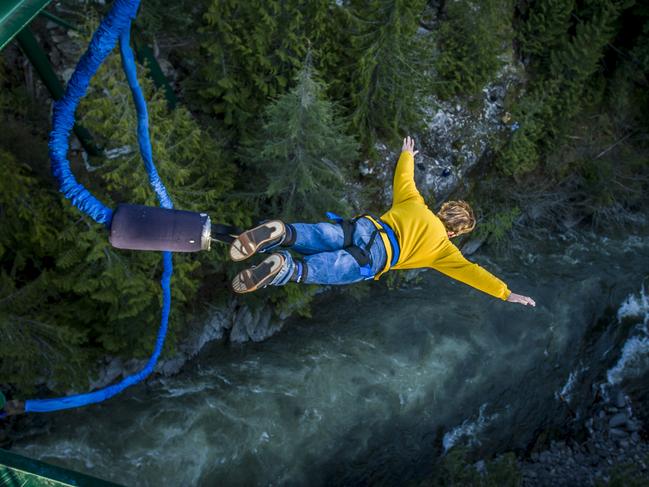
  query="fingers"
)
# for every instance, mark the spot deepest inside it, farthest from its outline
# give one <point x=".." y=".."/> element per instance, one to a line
<point x="409" y="145"/>
<point x="527" y="301"/>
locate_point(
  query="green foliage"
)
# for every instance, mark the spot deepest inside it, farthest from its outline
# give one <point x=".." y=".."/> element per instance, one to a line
<point x="566" y="44"/>
<point x="495" y="228"/>
<point x="580" y="151"/>
<point x="470" y="40"/>
<point x="30" y="340"/>
<point x="253" y="49"/>
<point x="546" y="28"/>
<point x="388" y="71"/>
<point x="293" y="299"/>
<point x="454" y="470"/>
<point x="522" y="153"/>
<point x="301" y="153"/>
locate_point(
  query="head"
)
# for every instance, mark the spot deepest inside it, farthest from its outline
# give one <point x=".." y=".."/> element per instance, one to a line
<point x="457" y="217"/>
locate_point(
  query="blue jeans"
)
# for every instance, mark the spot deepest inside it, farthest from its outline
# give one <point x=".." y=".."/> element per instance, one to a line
<point x="325" y="261"/>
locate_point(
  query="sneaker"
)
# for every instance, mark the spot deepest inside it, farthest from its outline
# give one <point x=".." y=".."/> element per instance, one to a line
<point x="258" y="276"/>
<point x="257" y="239"/>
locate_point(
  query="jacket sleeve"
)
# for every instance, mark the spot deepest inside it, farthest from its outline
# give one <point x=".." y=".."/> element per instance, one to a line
<point x="403" y="187"/>
<point x="452" y="263"/>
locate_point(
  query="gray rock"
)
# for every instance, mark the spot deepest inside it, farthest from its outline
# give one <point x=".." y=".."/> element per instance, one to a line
<point x="454" y="140"/>
<point x="253" y="326"/>
<point x="618" y="420"/>
<point x="219" y="320"/>
<point x="620" y="400"/>
<point x="633" y="425"/>
<point x="472" y="246"/>
<point x="108" y="374"/>
<point x="172" y="366"/>
<point x="617" y="433"/>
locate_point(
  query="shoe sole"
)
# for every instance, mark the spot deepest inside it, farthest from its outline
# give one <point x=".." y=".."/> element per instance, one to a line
<point x="258" y="276"/>
<point x="251" y="241"/>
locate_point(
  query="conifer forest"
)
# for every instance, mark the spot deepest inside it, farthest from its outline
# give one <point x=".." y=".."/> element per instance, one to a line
<point x="291" y="108"/>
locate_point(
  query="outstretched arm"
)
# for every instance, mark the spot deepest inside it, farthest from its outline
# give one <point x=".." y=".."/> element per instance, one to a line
<point x="452" y="263"/>
<point x="403" y="187"/>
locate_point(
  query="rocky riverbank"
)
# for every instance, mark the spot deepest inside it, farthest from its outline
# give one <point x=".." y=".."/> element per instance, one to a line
<point x="615" y="451"/>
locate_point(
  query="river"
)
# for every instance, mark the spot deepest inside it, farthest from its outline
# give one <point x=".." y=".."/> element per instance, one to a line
<point x="370" y="391"/>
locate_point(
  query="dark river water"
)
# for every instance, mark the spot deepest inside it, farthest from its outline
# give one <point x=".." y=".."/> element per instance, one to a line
<point x="370" y="391"/>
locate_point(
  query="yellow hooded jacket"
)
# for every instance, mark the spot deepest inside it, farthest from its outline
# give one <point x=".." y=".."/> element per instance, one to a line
<point x="422" y="236"/>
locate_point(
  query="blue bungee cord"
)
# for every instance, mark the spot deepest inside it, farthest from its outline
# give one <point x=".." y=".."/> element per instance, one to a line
<point x="115" y="25"/>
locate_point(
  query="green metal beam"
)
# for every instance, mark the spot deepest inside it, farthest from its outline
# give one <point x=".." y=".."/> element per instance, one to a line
<point x="58" y="20"/>
<point x="39" y="60"/>
<point x="15" y="15"/>
<point x="19" y="471"/>
<point x="146" y="57"/>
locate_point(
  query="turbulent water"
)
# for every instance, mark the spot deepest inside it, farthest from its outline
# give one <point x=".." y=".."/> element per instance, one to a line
<point x="371" y="391"/>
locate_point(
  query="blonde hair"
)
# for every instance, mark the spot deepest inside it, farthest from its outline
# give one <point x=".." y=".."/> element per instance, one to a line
<point x="457" y="217"/>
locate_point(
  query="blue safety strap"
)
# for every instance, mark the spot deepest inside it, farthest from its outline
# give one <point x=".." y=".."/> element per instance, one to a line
<point x="115" y="25"/>
<point x="396" y="250"/>
<point x="334" y="218"/>
<point x="300" y="270"/>
<point x="366" y="270"/>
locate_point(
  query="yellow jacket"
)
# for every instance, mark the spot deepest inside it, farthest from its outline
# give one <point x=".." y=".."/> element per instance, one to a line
<point x="422" y="237"/>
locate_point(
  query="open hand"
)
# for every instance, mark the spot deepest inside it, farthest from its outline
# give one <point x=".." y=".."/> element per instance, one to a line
<point x="409" y="146"/>
<point x="524" y="300"/>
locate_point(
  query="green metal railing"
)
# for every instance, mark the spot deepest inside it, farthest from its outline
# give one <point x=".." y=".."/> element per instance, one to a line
<point x="15" y="15"/>
<point x="19" y="471"/>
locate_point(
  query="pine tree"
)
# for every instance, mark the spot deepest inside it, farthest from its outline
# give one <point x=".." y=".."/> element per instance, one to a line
<point x="470" y="40"/>
<point x="31" y="341"/>
<point x="564" y="81"/>
<point x="390" y="60"/>
<point x="253" y="50"/>
<point x="302" y="152"/>
<point x="546" y="28"/>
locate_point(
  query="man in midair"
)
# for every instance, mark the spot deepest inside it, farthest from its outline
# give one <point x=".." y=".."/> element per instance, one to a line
<point x="408" y="236"/>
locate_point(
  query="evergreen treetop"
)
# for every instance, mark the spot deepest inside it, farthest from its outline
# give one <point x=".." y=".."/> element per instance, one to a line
<point x="302" y="152"/>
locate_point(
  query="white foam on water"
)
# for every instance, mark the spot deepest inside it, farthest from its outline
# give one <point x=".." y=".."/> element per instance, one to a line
<point x="66" y="450"/>
<point x="469" y="430"/>
<point x="634" y="358"/>
<point x="633" y="361"/>
<point x="635" y="306"/>
<point x="565" y="393"/>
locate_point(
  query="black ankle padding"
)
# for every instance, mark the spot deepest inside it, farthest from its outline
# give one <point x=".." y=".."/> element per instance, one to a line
<point x="289" y="240"/>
